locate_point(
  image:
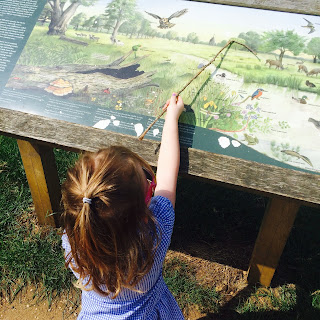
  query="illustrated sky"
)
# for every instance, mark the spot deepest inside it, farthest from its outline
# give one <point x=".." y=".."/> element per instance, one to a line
<point x="221" y="21"/>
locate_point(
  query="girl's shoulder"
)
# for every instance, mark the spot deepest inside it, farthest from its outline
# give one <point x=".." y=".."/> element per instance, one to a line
<point x="162" y="209"/>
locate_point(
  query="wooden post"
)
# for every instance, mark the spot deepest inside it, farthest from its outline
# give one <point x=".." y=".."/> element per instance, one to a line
<point x="274" y="231"/>
<point x="40" y="167"/>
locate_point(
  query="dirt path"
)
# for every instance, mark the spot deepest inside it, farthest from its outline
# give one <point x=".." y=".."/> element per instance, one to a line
<point x="227" y="280"/>
<point x="24" y="307"/>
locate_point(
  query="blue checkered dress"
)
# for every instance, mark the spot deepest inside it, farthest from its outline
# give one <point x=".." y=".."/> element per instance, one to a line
<point x="156" y="301"/>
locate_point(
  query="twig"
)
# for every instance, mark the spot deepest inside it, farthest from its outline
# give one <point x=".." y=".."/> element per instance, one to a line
<point x="230" y="42"/>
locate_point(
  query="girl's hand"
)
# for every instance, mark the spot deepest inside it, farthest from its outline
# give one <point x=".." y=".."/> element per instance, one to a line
<point x="174" y="107"/>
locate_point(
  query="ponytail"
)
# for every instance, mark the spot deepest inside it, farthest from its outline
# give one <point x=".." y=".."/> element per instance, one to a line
<point x="83" y="222"/>
<point x="105" y="218"/>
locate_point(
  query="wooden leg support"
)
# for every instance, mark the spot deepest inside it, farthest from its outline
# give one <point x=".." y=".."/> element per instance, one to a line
<point x="41" y="171"/>
<point x="274" y="231"/>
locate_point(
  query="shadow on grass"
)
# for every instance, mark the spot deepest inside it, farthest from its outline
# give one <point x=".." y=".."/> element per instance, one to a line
<point x="302" y="309"/>
<point x="266" y="315"/>
<point x="216" y="223"/>
<point x="221" y="225"/>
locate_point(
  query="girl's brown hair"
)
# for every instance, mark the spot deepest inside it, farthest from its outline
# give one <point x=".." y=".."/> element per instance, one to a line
<point x="113" y="239"/>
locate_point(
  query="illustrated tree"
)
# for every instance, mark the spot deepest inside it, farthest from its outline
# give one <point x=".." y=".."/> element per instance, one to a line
<point x="78" y="20"/>
<point x="128" y="29"/>
<point x="283" y="41"/>
<point x="313" y="48"/>
<point x="144" y="27"/>
<point x="252" y="38"/>
<point x="119" y="11"/>
<point x="90" y="22"/>
<point x="100" y="22"/>
<point x="60" y="16"/>
<point x="132" y="24"/>
<point x="222" y="43"/>
<point x="236" y="46"/>
<point x="192" y="37"/>
<point x="45" y="14"/>
<point x="152" y="33"/>
<point x="171" y="35"/>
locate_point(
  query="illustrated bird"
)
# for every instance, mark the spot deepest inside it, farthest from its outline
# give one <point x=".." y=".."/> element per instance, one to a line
<point x="310" y="84"/>
<point x="315" y="122"/>
<point x="257" y="94"/>
<point x="135" y="49"/>
<point x="310" y="25"/>
<point x="164" y="23"/>
<point x="302" y="100"/>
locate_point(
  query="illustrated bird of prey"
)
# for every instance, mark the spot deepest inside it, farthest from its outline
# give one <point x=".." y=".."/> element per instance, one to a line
<point x="164" y="23"/>
<point x="310" y="25"/>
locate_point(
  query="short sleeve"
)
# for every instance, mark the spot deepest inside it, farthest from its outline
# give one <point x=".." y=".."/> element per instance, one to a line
<point x="163" y="211"/>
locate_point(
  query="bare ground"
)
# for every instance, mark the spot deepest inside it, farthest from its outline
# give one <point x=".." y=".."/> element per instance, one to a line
<point x="227" y="280"/>
<point x="218" y="264"/>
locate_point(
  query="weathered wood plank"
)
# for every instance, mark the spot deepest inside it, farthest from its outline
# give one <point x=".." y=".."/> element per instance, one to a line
<point x="306" y="7"/>
<point x="233" y="171"/>
<point x="41" y="172"/>
<point x="274" y="231"/>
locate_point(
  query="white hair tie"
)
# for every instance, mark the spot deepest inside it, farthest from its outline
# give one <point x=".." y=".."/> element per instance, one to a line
<point x="86" y="200"/>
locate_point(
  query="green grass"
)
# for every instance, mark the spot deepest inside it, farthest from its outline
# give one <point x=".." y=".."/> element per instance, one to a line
<point x="210" y="214"/>
<point x="28" y="255"/>
<point x="182" y="283"/>
<point x="283" y="298"/>
<point x="204" y="214"/>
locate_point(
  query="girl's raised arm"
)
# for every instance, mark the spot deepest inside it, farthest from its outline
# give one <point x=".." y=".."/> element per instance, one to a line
<point x="169" y="155"/>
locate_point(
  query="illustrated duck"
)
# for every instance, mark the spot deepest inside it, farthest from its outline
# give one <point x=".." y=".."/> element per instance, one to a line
<point x="302" y="100"/>
<point x="310" y="84"/>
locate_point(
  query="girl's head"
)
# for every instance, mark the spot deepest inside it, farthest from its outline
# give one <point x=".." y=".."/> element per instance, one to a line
<point x="111" y="231"/>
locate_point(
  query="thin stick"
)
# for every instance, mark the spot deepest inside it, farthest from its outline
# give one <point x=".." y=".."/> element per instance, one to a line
<point x="230" y="42"/>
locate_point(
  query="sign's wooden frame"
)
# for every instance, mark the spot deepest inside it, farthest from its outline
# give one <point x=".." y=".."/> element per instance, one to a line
<point x="287" y="189"/>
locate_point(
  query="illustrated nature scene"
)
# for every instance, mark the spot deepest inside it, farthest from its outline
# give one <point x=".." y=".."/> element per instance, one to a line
<point x="129" y="55"/>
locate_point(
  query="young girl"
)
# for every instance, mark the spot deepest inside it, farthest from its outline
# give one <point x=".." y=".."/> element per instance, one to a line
<point x="116" y="234"/>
